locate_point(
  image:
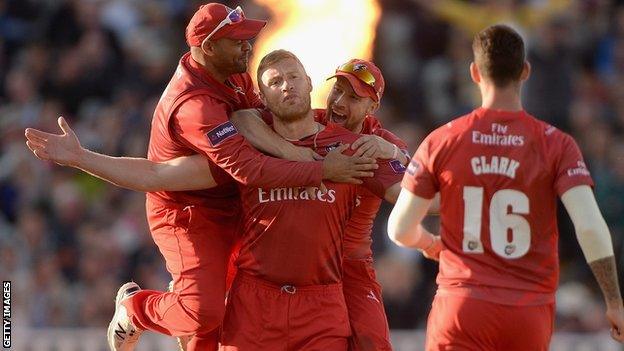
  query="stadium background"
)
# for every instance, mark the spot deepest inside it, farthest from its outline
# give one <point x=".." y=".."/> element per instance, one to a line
<point x="67" y="240"/>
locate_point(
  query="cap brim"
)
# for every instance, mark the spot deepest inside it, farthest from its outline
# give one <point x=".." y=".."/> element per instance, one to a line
<point x="361" y="89"/>
<point x="245" y="30"/>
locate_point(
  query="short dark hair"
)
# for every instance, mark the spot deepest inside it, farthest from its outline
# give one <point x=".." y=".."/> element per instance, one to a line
<point x="499" y="53"/>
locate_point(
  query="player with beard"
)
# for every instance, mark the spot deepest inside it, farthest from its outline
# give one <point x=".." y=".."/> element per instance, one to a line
<point x="287" y="294"/>
<point x="195" y="230"/>
<point x="351" y="103"/>
<point x="354" y="97"/>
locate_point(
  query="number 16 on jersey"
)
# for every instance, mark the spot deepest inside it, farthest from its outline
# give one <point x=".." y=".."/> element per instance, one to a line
<point x="510" y="232"/>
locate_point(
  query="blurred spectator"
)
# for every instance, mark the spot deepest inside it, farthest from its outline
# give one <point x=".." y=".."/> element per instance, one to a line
<point x="67" y="240"/>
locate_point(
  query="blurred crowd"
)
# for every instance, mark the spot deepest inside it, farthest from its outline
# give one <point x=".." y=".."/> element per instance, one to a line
<point x="67" y="240"/>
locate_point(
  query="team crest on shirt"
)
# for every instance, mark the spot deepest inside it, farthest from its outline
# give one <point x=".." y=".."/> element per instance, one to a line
<point x="220" y="133"/>
<point x="397" y="166"/>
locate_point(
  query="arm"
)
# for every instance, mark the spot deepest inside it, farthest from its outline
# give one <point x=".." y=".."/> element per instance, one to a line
<point x="392" y="193"/>
<point x="250" y="124"/>
<point x="202" y="124"/>
<point x="593" y="236"/>
<point x="139" y="174"/>
<point x="377" y="147"/>
<point x="405" y="228"/>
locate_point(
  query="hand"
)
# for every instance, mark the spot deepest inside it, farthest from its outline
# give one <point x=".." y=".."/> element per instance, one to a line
<point x="615" y="316"/>
<point x="64" y="149"/>
<point x="375" y="147"/>
<point x="347" y="169"/>
<point x="433" y="251"/>
<point x="303" y="154"/>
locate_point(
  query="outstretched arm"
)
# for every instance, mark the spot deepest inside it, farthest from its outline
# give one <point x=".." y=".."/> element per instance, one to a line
<point x="593" y="236"/>
<point x="140" y="174"/>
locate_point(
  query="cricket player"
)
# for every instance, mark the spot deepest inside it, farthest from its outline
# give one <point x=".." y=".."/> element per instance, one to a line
<point x="195" y="230"/>
<point x="354" y="97"/>
<point x="287" y="294"/>
<point x="499" y="172"/>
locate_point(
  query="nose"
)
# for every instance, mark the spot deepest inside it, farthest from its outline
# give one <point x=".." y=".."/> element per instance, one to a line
<point x="287" y="85"/>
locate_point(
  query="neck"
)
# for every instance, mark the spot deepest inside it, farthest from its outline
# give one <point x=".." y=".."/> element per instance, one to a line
<point x="357" y="129"/>
<point x="295" y="129"/>
<point x="506" y="99"/>
<point x="198" y="56"/>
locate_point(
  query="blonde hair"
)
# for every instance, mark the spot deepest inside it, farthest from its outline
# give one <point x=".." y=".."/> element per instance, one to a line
<point x="272" y="58"/>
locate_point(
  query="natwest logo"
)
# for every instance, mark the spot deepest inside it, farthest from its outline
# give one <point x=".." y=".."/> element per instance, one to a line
<point x="300" y="193"/>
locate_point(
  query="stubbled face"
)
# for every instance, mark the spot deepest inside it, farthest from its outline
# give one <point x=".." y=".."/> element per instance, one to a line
<point x="345" y="107"/>
<point x="231" y="56"/>
<point x="285" y="89"/>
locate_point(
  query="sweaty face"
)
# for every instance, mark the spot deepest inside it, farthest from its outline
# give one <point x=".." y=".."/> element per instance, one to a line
<point x="231" y="56"/>
<point x="285" y="88"/>
<point x="345" y="107"/>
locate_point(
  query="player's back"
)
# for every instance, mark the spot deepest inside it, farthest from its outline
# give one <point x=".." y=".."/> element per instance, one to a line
<point x="499" y="174"/>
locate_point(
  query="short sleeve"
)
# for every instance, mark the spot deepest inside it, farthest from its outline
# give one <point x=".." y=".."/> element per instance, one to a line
<point x="420" y="178"/>
<point x="570" y="169"/>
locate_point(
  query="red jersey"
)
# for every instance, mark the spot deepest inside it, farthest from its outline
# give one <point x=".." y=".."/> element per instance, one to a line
<point x="499" y="174"/>
<point x="291" y="239"/>
<point x="192" y="118"/>
<point x="357" y="237"/>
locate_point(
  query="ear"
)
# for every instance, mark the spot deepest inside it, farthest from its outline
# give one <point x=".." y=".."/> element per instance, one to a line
<point x="372" y="108"/>
<point x="262" y="97"/>
<point x="526" y="71"/>
<point x="474" y="73"/>
<point x="208" y="47"/>
<point x="309" y="82"/>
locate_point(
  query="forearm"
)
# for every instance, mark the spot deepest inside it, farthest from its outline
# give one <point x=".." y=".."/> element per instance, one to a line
<point x="127" y="172"/>
<point x="262" y="137"/>
<point x="605" y="271"/>
<point x="140" y="174"/>
<point x="405" y="221"/>
<point x="419" y="238"/>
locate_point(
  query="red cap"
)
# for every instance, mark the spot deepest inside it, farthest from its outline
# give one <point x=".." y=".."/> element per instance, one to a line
<point x="358" y="73"/>
<point x="209" y="16"/>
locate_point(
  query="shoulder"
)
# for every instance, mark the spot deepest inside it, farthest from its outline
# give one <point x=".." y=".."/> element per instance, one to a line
<point x="553" y="136"/>
<point x="202" y="105"/>
<point x="241" y="79"/>
<point x="371" y="125"/>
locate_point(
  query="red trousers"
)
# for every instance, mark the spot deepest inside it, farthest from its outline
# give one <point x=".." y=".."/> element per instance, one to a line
<point x="461" y="323"/>
<point x="196" y="243"/>
<point x="261" y="316"/>
<point x="369" y="324"/>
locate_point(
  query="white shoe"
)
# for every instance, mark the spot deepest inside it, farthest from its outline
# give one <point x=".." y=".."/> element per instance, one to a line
<point x="122" y="334"/>
<point x="185" y="339"/>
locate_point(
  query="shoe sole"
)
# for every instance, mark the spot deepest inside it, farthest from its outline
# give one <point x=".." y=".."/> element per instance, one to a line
<point x="110" y="333"/>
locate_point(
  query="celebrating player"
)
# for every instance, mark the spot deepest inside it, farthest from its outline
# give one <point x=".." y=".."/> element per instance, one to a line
<point x="195" y="230"/>
<point x="499" y="171"/>
<point x="287" y="292"/>
<point x="353" y="99"/>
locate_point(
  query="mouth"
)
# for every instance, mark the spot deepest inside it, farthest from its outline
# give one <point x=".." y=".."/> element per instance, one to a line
<point x="290" y="98"/>
<point x="336" y="117"/>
